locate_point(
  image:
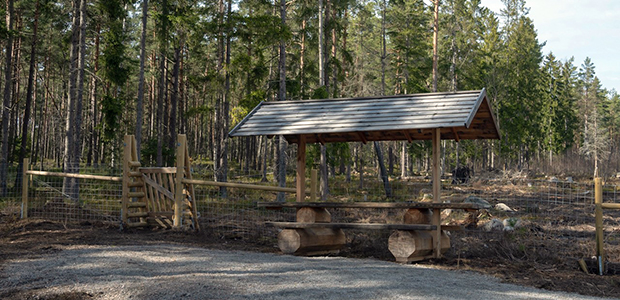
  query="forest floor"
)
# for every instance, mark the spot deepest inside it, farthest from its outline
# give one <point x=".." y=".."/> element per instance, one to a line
<point x="522" y="260"/>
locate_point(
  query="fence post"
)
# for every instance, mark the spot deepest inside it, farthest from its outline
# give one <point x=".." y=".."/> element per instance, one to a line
<point x="598" y="201"/>
<point x="126" y="158"/>
<point x="178" y="196"/>
<point x="25" y="188"/>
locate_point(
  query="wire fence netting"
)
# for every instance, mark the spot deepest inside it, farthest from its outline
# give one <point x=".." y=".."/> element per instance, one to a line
<point x="561" y="209"/>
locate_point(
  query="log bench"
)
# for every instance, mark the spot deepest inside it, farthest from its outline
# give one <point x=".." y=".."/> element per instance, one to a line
<point x="416" y="238"/>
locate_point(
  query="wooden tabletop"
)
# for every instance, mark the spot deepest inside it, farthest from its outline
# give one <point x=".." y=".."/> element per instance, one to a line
<point x="402" y="205"/>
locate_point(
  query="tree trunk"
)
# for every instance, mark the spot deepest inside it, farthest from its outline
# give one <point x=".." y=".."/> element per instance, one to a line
<point x="161" y="97"/>
<point x="6" y="104"/>
<point x="140" y="100"/>
<point x="435" y="39"/>
<point x="70" y="185"/>
<point x="282" y="97"/>
<point x="384" y="176"/>
<point x="29" y="92"/>
<point x="174" y="98"/>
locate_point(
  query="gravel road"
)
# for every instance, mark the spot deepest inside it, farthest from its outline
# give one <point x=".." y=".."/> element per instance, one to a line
<point x="179" y="272"/>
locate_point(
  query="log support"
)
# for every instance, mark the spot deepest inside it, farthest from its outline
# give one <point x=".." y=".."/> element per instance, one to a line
<point x="312" y="241"/>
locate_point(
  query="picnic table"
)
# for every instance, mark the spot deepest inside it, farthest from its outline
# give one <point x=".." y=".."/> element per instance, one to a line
<point x="419" y="236"/>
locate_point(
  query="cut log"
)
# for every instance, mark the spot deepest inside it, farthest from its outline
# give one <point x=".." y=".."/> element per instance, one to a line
<point x="313" y="215"/>
<point x="417" y="216"/>
<point x="408" y="245"/>
<point x="311" y="241"/>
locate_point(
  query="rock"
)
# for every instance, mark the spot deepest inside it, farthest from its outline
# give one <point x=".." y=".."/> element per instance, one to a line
<point x="569" y="179"/>
<point x="554" y="179"/>
<point x="508" y="228"/>
<point x="493" y="225"/>
<point x="503" y="207"/>
<point x="514" y="223"/>
<point x="529" y="184"/>
<point x="477" y="200"/>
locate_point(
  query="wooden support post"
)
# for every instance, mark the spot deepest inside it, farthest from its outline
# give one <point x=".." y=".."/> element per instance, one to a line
<point x="178" y="197"/>
<point x="598" y="201"/>
<point x="314" y="174"/>
<point x="126" y="169"/>
<point x="436" y="219"/>
<point x="301" y="169"/>
<point x="25" y="188"/>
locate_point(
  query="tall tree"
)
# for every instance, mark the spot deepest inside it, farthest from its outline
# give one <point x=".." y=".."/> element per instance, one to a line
<point x="282" y="97"/>
<point x="140" y="100"/>
<point x="74" y="105"/>
<point x="6" y="104"/>
<point x="29" y="92"/>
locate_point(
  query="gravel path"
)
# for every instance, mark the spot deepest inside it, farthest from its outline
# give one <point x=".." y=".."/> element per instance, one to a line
<point x="178" y="272"/>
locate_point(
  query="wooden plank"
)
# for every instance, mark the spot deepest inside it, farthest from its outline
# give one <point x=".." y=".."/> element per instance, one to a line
<point x="136" y="205"/>
<point x="393" y="205"/>
<point x="141" y="214"/>
<point x="242" y="186"/>
<point x="370" y="226"/>
<point x="136" y="194"/>
<point x="158" y="170"/>
<point x="73" y="175"/>
<point x="610" y="205"/>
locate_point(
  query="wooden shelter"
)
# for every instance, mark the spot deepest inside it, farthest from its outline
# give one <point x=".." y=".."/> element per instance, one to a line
<point x="430" y="116"/>
<point x="458" y="116"/>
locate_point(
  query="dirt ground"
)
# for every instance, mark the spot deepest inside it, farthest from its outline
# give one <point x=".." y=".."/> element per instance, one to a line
<point x="536" y="264"/>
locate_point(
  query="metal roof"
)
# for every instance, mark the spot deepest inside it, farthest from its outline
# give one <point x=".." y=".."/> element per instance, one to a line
<point x="460" y="115"/>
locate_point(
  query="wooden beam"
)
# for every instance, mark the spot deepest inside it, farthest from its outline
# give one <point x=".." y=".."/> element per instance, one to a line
<point x="394" y="205"/>
<point x="320" y="138"/>
<point x="436" y="219"/>
<point x="374" y="226"/>
<point x="456" y="135"/>
<point x="301" y="169"/>
<point x="408" y="136"/>
<point x="362" y="137"/>
<point x="74" y="175"/>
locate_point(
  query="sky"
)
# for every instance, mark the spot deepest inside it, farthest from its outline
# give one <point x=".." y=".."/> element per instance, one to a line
<point x="579" y="29"/>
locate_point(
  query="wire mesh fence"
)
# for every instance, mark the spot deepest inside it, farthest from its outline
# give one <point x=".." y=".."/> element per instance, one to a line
<point x="563" y="210"/>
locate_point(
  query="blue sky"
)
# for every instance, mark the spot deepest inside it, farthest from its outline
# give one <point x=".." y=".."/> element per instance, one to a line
<point x="579" y="28"/>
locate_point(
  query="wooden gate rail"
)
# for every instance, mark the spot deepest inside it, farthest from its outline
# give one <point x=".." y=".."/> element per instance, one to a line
<point x="26" y="174"/>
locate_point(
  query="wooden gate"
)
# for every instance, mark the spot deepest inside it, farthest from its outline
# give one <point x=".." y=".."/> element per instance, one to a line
<point x="158" y="196"/>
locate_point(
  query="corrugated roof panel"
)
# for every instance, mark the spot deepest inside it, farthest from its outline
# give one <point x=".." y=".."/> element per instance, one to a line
<point x="337" y="116"/>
